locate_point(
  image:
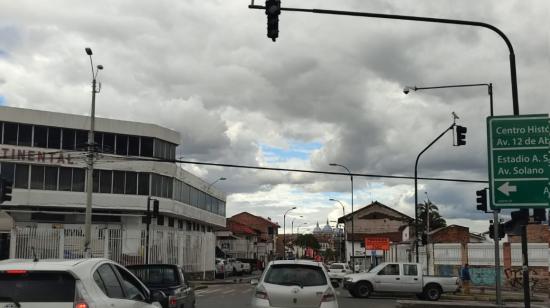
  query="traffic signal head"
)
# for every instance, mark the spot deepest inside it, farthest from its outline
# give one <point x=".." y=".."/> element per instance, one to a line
<point x="461" y="135"/>
<point x="492" y="231"/>
<point x="273" y="10"/>
<point x="539" y="215"/>
<point x="481" y="200"/>
<point x="424" y="239"/>
<point x="6" y="188"/>
<point x="155" y="208"/>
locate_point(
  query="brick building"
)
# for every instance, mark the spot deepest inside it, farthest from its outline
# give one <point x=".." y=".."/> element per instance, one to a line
<point x="266" y="230"/>
<point x="454" y="234"/>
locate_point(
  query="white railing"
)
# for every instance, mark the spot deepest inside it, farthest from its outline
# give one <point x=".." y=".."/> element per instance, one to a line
<point x="193" y="250"/>
<point x="484" y="254"/>
<point x="538" y="254"/>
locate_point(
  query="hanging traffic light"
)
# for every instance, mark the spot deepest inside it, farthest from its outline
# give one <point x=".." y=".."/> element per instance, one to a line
<point x="155" y="208"/>
<point x="501" y="232"/>
<point x="481" y="200"/>
<point x="492" y="230"/>
<point x="6" y="188"/>
<point x="273" y="10"/>
<point x="461" y="135"/>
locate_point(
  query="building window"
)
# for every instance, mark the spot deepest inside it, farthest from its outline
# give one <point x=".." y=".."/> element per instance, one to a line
<point x="131" y="183"/>
<point x="10" y="133"/>
<point x="95" y="184"/>
<point x="133" y="145"/>
<point x="8" y="171"/>
<point x="21" y="176"/>
<point x="40" y="137"/>
<point x="108" y="143"/>
<point x="98" y="141"/>
<point x="118" y="182"/>
<point x="146" y="147"/>
<point x="37" y="177"/>
<point x="180" y="224"/>
<point x="68" y="139"/>
<point x="121" y="145"/>
<point x="143" y="183"/>
<point x="170" y="221"/>
<point x="185" y="191"/>
<point x="160" y="220"/>
<point x="54" y="137"/>
<point x="65" y="178"/>
<point x="50" y="178"/>
<point x="79" y="179"/>
<point x="81" y="139"/>
<point x="105" y="181"/>
<point x="25" y="135"/>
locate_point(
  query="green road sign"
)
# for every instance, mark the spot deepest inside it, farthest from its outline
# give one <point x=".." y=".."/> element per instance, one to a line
<point x="519" y="161"/>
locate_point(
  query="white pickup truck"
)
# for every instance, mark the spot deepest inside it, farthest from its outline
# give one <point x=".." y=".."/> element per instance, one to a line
<point x="400" y="278"/>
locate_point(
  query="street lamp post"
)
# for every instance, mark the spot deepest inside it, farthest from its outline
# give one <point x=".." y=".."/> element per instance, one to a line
<point x="216" y="181"/>
<point x="352" y="218"/>
<point x="489" y="86"/>
<point x="292" y="225"/>
<point x="284" y="231"/>
<point x="90" y="160"/>
<point x="344" y="229"/>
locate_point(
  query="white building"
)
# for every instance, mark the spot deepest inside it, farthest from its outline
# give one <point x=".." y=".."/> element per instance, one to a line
<point x="43" y="153"/>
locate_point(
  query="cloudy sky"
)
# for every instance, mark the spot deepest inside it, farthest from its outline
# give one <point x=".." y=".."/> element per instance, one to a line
<point x="329" y="90"/>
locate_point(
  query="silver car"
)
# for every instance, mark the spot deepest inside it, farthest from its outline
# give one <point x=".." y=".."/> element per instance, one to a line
<point x="294" y="284"/>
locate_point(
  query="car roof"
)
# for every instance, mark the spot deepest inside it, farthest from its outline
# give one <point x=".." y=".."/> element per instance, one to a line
<point x="338" y="264"/>
<point x="74" y="265"/>
<point x="297" y="262"/>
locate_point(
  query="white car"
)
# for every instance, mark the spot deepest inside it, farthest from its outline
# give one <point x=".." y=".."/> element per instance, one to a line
<point x="82" y="283"/>
<point x="338" y="270"/>
<point x="294" y="283"/>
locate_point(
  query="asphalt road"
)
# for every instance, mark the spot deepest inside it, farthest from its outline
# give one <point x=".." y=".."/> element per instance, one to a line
<point x="239" y="295"/>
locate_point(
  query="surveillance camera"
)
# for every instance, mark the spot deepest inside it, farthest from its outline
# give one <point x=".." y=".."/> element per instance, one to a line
<point x="406" y="90"/>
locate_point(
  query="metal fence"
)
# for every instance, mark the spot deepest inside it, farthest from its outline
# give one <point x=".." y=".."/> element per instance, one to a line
<point x="193" y="250"/>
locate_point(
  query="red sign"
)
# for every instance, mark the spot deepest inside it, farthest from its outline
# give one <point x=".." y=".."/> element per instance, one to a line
<point x="377" y="243"/>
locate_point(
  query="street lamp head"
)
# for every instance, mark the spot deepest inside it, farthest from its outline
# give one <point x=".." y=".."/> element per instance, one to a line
<point x="223" y="179"/>
<point x="333" y="164"/>
<point x="100" y="67"/>
<point x="293" y="207"/>
<point x="331" y="199"/>
<point x="88" y="51"/>
<point x="407" y="89"/>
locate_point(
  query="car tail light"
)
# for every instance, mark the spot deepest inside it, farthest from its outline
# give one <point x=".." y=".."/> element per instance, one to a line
<point x="328" y="296"/>
<point x="81" y="297"/>
<point x="261" y="293"/>
<point x="16" y="272"/>
<point x="172" y="302"/>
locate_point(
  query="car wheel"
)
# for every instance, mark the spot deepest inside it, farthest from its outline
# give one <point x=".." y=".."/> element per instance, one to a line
<point x="363" y="289"/>
<point x="420" y="296"/>
<point x="432" y="292"/>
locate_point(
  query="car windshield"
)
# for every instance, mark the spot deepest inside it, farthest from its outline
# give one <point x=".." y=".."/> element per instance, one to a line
<point x="336" y="266"/>
<point x="296" y="274"/>
<point x="25" y="286"/>
<point x="156" y="275"/>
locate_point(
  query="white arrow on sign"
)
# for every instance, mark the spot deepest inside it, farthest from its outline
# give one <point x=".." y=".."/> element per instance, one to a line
<point x="506" y="188"/>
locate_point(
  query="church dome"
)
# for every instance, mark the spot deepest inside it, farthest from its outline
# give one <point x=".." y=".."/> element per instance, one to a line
<point x="317" y="229"/>
<point x="327" y="228"/>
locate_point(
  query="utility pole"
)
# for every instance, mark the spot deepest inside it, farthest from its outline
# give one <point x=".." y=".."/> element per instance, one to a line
<point x="90" y="161"/>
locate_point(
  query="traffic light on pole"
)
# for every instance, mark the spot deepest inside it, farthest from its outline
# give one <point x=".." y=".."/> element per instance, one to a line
<point x="481" y="200"/>
<point x="461" y="135"/>
<point x="6" y="188"/>
<point x="155" y="208"/>
<point x="273" y="10"/>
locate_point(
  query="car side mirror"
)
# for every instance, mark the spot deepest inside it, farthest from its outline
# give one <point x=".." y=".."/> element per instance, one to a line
<point x="157" y="296"/>
<point x="254" y="282"/>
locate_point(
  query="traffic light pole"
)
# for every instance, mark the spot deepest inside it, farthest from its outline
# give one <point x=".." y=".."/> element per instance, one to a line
<point x="496" y="234"/>
<point x="148" y="218"/>
<point x="416" y="189"/>
<point x="524" y="250"/>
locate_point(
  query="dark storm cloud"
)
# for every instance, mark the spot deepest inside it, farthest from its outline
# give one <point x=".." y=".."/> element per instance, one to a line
<point x="207" y="70"/>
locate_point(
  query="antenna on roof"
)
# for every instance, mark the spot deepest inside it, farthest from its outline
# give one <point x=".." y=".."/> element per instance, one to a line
<point x="35" y="258"/>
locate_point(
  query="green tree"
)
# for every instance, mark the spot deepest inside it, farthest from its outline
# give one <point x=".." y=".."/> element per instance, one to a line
<point x="329" y="255"/>
<point x="436" y="221"/>
<point x="307" y="240"/>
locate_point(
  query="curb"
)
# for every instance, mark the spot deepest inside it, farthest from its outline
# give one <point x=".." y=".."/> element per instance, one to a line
<point x="469" y="304"/>
<point x="200" y="287"/>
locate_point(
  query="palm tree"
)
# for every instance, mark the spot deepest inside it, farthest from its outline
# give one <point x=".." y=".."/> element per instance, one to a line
<point x="435" y="219"/>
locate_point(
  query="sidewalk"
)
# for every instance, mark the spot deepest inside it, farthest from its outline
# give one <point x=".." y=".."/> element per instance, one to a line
<point x="460" y="304"/>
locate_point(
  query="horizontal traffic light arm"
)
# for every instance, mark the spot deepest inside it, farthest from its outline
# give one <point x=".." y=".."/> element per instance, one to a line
<point x="512" y="56"/>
